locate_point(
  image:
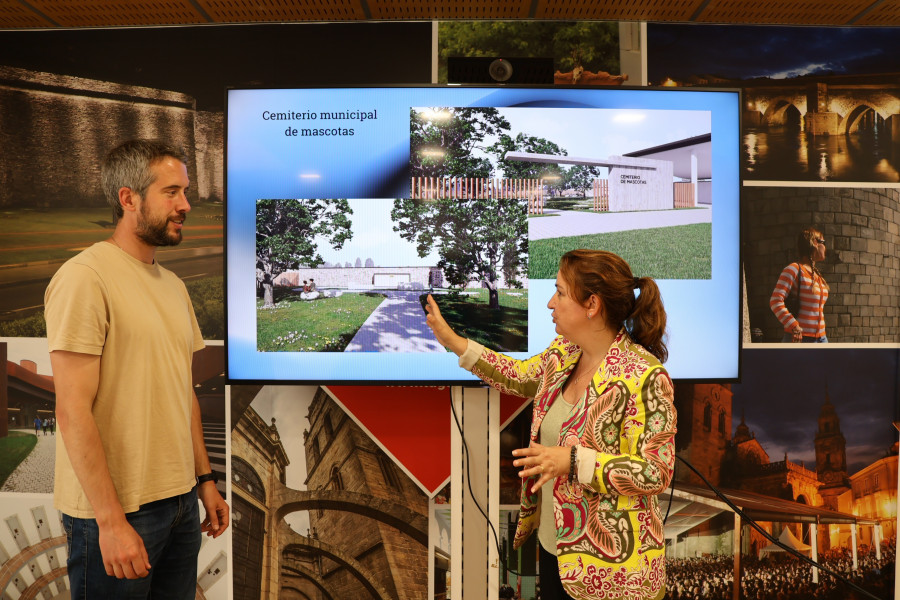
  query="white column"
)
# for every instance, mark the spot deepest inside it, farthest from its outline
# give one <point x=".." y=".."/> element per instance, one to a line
<point x="474" y="568"/>
<point x="876" y="534"/>
<point x="853" y="544"/>
<point x="457" y="483"/>
<point x="814" y="542"/>
<point x="435" y="52"/>
<point x="493" y="508"/>
<point x="736" y="550"/>
<point x="632" y="59"/>
<point x="694" y="187"/>
<point x="432" y="542"/>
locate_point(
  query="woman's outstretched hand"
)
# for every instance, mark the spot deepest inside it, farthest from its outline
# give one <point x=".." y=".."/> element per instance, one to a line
<point x="445" y="336"/>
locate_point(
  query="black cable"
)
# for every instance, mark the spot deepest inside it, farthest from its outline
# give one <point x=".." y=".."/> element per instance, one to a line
<point x="715" y="490"/>
<point x="472" y="493"/>
<point x="766" y="534"/>
<point x="672" y="495"/>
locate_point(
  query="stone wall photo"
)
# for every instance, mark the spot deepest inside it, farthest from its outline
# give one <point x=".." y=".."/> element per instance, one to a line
<point x="861" y="267"/>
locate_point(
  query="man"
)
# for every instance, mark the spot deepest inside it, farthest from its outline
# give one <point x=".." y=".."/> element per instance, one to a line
<point x="122" y="334"/>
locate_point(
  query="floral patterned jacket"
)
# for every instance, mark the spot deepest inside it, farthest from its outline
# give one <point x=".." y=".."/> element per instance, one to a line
<point x="610" y="540"/>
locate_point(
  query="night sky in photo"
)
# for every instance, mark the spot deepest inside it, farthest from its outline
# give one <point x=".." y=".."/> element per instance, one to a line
<point x="747" y="51"/>
<point x="784" y="390"/>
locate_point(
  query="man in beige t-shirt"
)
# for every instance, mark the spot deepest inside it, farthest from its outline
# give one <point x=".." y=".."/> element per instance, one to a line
<point x="131" y="461"/>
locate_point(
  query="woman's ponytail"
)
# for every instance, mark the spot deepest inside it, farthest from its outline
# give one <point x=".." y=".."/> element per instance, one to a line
<point x="647" y="322"/>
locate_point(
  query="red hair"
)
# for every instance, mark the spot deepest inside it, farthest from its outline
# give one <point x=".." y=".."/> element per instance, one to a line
<point x="609" y="277"/>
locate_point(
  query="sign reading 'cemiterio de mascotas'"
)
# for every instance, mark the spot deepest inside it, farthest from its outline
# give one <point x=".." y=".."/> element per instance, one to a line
<point x="636" y="179"/>
<point x="635" y="183"/>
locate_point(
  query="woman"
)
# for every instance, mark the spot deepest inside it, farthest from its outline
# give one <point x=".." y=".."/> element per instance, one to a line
<point x="601" y="434"/>
<point x="808" y="325"/>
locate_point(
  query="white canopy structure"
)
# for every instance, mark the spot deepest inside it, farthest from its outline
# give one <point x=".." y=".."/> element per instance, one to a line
<point x="693" y="504"/>
<point x="787" y="538"/>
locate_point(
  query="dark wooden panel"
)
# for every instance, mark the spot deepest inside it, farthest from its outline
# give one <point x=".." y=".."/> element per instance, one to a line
<point x="886" y="14"/>
<point x="438" y="9"/>
<point x="14" y="14"/>
<point x="104" y="13"/>
<point x="23" y="14"/>
<point x="783" y="12"/>
<point x="616" y="10"/>
<point x="238" y="11"/>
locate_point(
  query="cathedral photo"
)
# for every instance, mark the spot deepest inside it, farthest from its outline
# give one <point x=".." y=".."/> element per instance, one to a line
<point x="809" y="459"/>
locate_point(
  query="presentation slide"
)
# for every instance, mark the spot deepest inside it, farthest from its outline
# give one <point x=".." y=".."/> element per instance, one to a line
<point x="347" y="207"/>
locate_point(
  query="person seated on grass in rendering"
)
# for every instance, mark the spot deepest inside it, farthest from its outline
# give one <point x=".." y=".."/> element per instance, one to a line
<point x="309" y="290"/>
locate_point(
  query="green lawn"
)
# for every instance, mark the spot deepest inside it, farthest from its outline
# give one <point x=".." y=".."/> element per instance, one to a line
<point x="13" y="450"/>
<point x="30" y="326"/>
<point x="321" y="325"/>
<point x="207" y="296"/>
<point x="29" y="234"/>
<point x="504" y="329"/>
<point x="680" y="252"/>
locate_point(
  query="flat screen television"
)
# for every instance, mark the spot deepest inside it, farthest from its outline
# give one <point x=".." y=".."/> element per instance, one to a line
<point x="346" y="206"/>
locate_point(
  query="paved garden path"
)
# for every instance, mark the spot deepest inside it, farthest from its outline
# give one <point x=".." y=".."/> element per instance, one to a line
<point x="397" y="325"/>
<point x="34" y="475"/>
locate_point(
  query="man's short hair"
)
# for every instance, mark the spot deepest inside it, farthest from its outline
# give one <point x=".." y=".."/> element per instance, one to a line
<point x="128" y="165"/>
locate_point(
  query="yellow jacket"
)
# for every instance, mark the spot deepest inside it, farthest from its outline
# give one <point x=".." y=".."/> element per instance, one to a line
<point x="610" y="541"/>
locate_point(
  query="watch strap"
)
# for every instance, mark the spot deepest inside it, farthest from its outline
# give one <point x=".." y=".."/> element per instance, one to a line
<point x="207" y="477"/>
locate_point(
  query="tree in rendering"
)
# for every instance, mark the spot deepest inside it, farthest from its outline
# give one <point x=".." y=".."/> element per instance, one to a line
<point x="552" y="173"/>
<point x="478" y="240"/>
<point x="287" y="233"/>
<point x="581" y="178"/>
<point x="443" y="141"/>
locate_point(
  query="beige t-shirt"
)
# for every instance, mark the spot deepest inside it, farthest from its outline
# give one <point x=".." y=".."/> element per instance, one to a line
<point x="139" y="319"/>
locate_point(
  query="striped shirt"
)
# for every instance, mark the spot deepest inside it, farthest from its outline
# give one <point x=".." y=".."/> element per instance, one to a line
<point x="813" y="294"/>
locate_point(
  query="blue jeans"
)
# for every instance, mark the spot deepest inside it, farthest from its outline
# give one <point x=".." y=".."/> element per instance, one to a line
<point x="170" y="529"/>
<point x="806" y="340"/>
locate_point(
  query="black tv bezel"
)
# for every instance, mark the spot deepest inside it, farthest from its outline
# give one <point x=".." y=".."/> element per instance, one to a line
<point x="229" y="380"/>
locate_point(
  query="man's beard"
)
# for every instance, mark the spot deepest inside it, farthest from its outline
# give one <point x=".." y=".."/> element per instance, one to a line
<point x="156" y="233"/>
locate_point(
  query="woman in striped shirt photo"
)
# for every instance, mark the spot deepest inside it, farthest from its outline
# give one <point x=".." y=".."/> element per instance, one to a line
<point x="801" y="279"/>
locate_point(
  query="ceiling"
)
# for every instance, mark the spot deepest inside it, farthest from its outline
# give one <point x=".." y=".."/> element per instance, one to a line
<point x="17" y="14"/>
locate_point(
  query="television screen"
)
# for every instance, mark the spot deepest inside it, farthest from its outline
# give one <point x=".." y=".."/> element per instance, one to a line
<point x="346" y="207"/>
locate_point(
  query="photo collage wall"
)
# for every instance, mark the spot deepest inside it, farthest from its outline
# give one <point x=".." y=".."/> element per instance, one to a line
<point x="808" y="422"/>
<point x="334" y="497"/>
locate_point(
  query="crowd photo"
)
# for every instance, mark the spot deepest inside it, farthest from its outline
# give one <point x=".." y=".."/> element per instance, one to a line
<point x="783" y="577"/>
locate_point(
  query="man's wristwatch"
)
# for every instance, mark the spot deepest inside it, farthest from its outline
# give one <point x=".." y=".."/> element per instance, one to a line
<point x="207" y="477"/>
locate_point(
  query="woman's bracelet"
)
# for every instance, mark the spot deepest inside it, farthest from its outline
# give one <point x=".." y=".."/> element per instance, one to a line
<point x="572" y="464"/>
